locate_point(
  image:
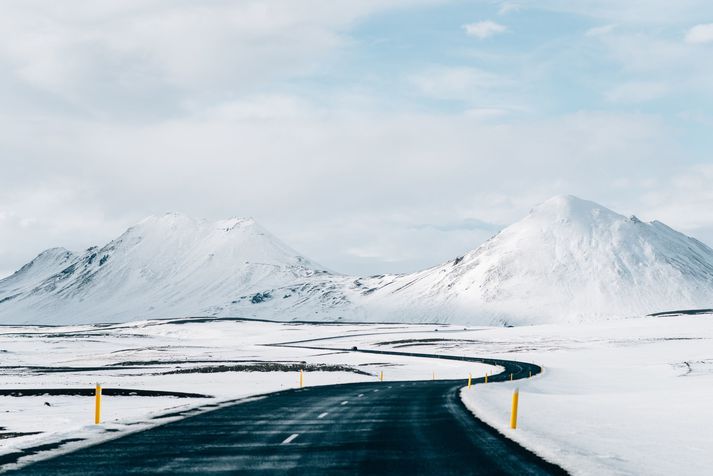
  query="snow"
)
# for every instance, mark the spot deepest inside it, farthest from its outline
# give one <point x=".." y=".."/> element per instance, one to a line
<point x="47" y="263"/>
<point x="168" y="265"/>
<point x="569" y="260"/>
<point x="139" y="355"/>
<point x="619" y="395"/>
<point x="627" y="396"/>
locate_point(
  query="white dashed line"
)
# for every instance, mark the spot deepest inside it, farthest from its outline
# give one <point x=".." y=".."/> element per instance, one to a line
<point x="322" y="415"/>
<point x="360" y="395"/>
<point x="376" y="390"/>
<point x="290" y="438"/>
<point x="345" y="402"/>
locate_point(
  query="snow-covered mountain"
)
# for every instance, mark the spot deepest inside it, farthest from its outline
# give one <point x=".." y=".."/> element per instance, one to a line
<point x="24" y="280"/>
<point x="163" y="266"/>
<point x="569" y="260"/>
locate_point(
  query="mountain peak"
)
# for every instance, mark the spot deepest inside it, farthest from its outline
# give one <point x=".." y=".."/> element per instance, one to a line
<point x="46" y="263"/>
<point x="167" y="219"/>
<point x="49" y="256"/>
<point x="52" y="252"/>
<point x="569" y="208"/>
<point x="567" y="203"/>
<point x="569" y="259"/>
<point x="232" y="223"/>
<point x="176" y="220"/>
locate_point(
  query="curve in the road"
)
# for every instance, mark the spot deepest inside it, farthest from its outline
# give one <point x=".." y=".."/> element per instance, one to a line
<point x="512" y="369"/>
<point x="365" y="428"/>
<point x="385" y="428"/>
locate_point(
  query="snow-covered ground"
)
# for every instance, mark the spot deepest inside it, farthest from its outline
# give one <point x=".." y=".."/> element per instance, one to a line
<point x="631" y="397"/>
<point x="142" y="355"/>
<point x="619" y="397"/>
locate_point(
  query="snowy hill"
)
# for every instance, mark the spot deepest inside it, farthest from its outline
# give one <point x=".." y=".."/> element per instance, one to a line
<point x="25" y="279"/>
<point x="164" y="266"/>
<point x="569" y="260"/>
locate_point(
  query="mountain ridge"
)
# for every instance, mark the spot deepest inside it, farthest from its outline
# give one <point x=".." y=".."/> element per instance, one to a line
<point x="568" y="260"/>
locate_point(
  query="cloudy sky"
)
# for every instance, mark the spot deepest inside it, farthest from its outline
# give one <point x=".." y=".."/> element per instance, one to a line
<point x="371" y="135"/>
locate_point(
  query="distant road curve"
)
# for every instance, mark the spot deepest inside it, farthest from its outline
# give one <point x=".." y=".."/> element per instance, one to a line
<point x="419" y="427"/>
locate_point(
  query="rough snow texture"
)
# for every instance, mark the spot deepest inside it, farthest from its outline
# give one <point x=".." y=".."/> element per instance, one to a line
<point x="569" y="260"/>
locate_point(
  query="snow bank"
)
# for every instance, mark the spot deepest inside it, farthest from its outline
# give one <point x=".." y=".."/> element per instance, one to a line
<point x="626" y="398"/>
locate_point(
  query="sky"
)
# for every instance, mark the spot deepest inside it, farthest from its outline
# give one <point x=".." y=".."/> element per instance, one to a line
<point x="371" y="135"/>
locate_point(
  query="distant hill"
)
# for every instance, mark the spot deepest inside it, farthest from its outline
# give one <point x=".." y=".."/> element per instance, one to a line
<point x="568" y="260"/>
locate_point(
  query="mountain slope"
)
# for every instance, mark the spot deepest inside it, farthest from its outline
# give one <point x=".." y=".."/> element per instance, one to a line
<point x="46" y="264"/>
<point x="568" y="260"/>
<point x="164" y="266"/>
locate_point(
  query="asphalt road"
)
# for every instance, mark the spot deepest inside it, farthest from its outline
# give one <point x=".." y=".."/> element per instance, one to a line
<point x="367" y="428"/>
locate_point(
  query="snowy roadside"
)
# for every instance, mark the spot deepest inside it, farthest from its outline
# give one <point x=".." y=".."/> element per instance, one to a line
<point x="66" y="423"/>
<point x="617" y="397"/>
<point x="227" y="360"/>
<point x="630" y="397"/>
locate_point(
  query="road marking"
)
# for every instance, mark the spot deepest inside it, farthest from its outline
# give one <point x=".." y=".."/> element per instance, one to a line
<point x="376" y="390"/>
<point x="360" y="395"/>
<point x="345" y="402"/>
<point x="290" y="438"/>
<point x="322" y="415"/>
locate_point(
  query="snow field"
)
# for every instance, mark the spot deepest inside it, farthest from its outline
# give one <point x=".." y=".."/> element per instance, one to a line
<point x="159" y="347"/>
<point x="621" y="407"/>
<point x="620" y="397"/>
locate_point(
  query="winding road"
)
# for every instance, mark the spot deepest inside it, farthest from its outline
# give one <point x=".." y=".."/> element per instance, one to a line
<point x="418" y="427"/>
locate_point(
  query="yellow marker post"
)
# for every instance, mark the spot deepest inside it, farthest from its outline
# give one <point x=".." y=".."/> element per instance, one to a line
<point x="470" y="377"/>
<point x="381" y="376"/>
<point x="513" y="415"/>
<point x="98" y="404"/>
<point x="302" y="379"/>
<point x="486" y="378"/>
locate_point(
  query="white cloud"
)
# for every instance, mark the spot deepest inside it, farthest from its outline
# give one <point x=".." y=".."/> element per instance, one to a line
<point x="509" y="7"/>
<point x="636" y="92"/>
<point x="651" y="56"/>
<point x="458" y="83"/>
<point x="683" y="201"/>
<point x="307" y="173"/>
<point x="484" y="29"/>
<point x="631" y="12"/>
<point x="123" y="109"/>
<point x="145" y="58"/>
<point x="700" y="34"/>
<point x="487" y="113"/>
<point x="600" y="30"/>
